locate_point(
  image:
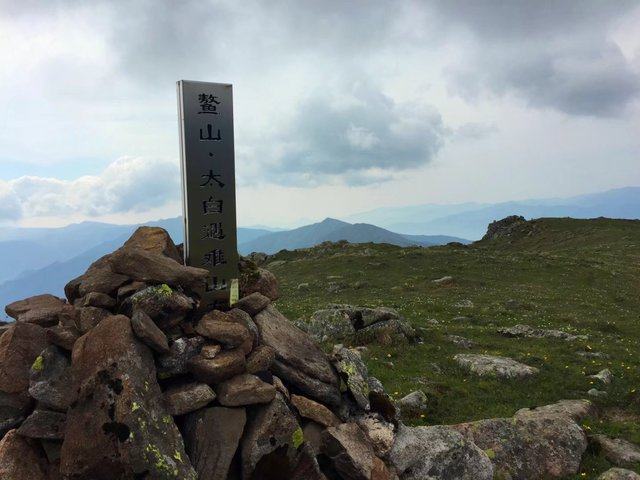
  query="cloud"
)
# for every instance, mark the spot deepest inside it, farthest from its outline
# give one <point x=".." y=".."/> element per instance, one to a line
<point x="126" y="185"/>
<point x="357" y="136"/>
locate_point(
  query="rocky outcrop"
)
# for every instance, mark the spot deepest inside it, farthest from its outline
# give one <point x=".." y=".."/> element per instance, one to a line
<point x="504" y="228"/>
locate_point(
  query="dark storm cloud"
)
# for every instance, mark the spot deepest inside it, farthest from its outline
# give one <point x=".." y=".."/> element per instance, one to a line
<point x="554" y="54"/>
<point x="363" y="137"/>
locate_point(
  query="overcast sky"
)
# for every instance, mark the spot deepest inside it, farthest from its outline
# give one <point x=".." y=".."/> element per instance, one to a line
<point x="340" y="107"/>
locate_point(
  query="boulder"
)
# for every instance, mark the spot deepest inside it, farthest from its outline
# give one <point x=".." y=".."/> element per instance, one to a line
<point x="330" y="325"/>
<point x="529" y="447"/>
<point x="220" y="327"/>
<point x="350" y="453"/>
<point x="119" y="427"/>
<point x="37" y="302"/>
<point x="155" y="240"/>
<point x="254" y="279"/>
<point x="253" y="303"/>
<point x="89" y="317"/>
<point x="212" y="436"/>
<point x="147" y="331"/>
<point x="214" y="370"/>
<point x="176" y="361"/>
<point x="44" y="424"/>
<point x="270" y="443"/>
<point x="64" y="337"/>
<point x="98" y="278"/>
<point x="50" y="381"/>
<point x="100" y="300"/>
<point x="577" y="410"/>
<point x="489" y="365"/>
<point x="618" y="451"/>
<point x="188" y="398"/>
<point x="619" y="474"/>
<point x="167" y="307"/>
<point x="438" y="452"/>
<point x="315" y="411"/>
<point x="299" y="361"/>
<point x="20" y="345"/>
<point x="413" y="404"/>
<point x="153" y="268"/>
<point x="21" y="458"/>
<point x="245" y="389"/>
<point x="260" y="359"/>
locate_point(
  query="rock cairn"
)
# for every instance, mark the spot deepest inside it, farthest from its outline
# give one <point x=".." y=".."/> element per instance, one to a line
<point x="126" y="380"/>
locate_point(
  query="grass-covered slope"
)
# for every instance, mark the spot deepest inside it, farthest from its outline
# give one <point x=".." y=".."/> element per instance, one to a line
<point x="580" y="276"/>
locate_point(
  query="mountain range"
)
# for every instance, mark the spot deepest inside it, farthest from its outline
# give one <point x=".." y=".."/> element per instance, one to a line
<point x="42" y="259"/>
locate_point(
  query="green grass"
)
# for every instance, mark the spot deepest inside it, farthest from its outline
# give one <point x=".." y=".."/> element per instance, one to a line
<point x="580" y="276"/>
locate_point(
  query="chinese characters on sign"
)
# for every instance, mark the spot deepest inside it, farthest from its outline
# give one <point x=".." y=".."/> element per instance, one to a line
<point x="208" y="186"/>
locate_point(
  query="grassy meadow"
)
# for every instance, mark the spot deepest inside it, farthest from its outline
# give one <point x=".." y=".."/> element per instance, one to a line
<point x="580" y="276"/>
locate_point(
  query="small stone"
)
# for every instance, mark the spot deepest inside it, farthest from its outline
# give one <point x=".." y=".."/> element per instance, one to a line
<point x="464" y="304"/>
<point x="176" y="361"/>
<point x="210" y="351"/>
<point x="595" y="393"/>
<point x="619" y="474"/>
<point x="460" y="341"/>
<point x="245" y="389"/>
<point x="253" y="303"/>
<point x="222" y="367"/>
<point x="147" y="331"/>
<point x="315" y="411"/>
<point x="413" y="404"/>
<point x="605" y="376"/>
<point x="618" y="451"/>
<point x="188" y="398"/>
<point x="44" y="424"/>
<point x="100" y="300"/>
<point x="489" y="365"/>
<point x="260" y="359"/>
<point x="218" y="326"/>
<point x="447" y="280"/>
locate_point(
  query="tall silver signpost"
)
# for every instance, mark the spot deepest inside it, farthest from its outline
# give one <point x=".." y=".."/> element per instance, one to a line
<point x="208" y="187"/>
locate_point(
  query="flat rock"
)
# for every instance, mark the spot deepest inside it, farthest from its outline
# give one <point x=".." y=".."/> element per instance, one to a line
<point x="154" y="268"/>
<point x="315" y="411"/>
<point x="299" y="360"/>
<point x="529" y="447"/>
<point x="188" y="398"/>
<point x="253" y="303"/>
<point x="176" y="361"/>
<point x="269" y="445"/>
<point x="37" y="302"/>
<point x="489" y="365"/>
<point x="577" y="410"/>
<point x="44" y="424"/>
<point x="618" y="451"/>
<point x="148" y="332"/>
<point x="155" y="240"/>
<point x="245" y="389"/>
<point x="619" y="474"/>
<point x="119" y="428"/>
<point x="260" y="359"/>
<point x="527" y="331"/>
<point x="438" y="452"/>
<point x="20" y="458"/>
<point x="214" y="370"/>
<point x="98" y="278"/>
<point x="460" y="341"/>
<point x="349" y="451"/>
<point x="20" y="345"/>
<point x="212" y="436"/>
<point x="50" y="381"/>
<point x="100" y="300"/>
<point x="218" y="326"/>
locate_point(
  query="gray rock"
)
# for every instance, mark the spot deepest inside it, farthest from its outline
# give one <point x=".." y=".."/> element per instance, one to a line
<point x="315" y="411"/>
<point x="211" y="439"/>
<point x="460" y="341"/>
<point x="379" y="433"/>
<point x="330" y="325"/>
<point x="50" y="380"/>
<point x="605" y="376"/>
<point x="438" y="453"/>
<point x="618" y="451"/>
<point x="489" y="365"/>
<point x="447" y="280"/>
<point x="619" y="474"/>
<point x="526" y="331"/>
<point x="299" y="361"/>
<point x="245" y="389"/>
<point x="577" y="410"/>
<point x="413" y="404"/>
<point x="463" y="304"/>
<point x="147" y="331"/>
<point x="188" y="398"/>
<point x="181" y="351"/>
<point x="354" y="373"/>
<point x="44" y="424"/>
<point x="529" y="447"/>
<point x="166" y="306"/>
<point x="595" y="393"/>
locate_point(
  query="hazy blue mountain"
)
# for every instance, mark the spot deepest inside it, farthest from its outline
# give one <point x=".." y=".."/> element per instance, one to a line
<point x="470" y="220"/>
<point x="333" y="230"/>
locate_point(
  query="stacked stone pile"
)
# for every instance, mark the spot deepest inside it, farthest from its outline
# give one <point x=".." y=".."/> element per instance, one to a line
<point x="126" y="380"/>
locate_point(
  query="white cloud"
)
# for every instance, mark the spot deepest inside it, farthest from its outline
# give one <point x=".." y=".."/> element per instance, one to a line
<point x="129" y="184"/>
